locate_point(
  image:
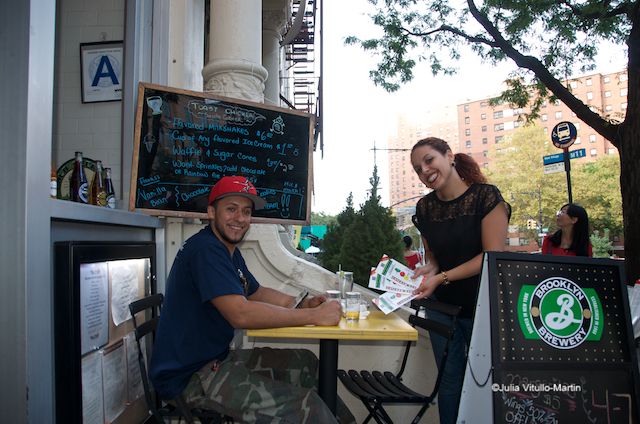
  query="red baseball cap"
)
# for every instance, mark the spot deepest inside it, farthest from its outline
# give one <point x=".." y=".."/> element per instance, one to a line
<point x="236" y="186"/>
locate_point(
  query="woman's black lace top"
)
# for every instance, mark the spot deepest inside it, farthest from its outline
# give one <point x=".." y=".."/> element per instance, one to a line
<point x="453" y="230"/>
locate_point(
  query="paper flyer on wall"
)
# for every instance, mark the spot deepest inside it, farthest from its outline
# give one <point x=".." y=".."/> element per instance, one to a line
<point x="396" y="280"/>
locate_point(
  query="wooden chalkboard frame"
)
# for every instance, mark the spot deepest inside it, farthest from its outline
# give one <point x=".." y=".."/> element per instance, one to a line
<point x="142" y="87"/>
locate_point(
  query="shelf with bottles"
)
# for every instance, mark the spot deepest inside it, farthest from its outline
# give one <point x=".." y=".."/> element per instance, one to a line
<point x="84" y="190"/>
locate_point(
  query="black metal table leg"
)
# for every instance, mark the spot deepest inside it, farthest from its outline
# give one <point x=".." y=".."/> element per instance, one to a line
<point x="328" y="379"/>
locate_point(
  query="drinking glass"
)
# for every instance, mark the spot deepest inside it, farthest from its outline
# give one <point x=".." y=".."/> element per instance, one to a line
<point x="333" y="295"/>
<point x="345" y="282"/>
<point x="353" y="306"/>
<point x="364" y="309"/>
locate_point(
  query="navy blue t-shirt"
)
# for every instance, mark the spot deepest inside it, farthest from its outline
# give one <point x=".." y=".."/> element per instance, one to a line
<point x="191" y="331"/>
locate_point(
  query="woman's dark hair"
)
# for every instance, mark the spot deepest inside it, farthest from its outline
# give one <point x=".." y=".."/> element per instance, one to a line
<point x="408" y="241"/>
<point x="580" y="242"/>
<point x="467" y="168"/>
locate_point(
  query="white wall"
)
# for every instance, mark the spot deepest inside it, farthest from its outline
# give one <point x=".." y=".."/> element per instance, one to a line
<point x="92" y="128"/>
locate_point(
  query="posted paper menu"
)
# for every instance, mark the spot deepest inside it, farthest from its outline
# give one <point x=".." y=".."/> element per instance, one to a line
<point x="396" y="279"/>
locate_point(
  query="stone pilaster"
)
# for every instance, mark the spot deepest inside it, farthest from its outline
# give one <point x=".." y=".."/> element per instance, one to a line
<point x="235" y="53"/>
<point x="273" y="21"/>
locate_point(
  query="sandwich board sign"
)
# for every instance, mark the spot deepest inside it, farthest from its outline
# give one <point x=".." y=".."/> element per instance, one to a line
<point x="552" y="342"/>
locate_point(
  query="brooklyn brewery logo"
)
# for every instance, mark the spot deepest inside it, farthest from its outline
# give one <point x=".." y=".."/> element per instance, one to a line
<point x="560" y="313"/>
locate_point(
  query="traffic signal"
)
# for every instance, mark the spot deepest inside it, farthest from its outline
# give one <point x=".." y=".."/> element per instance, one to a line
<point x="532" y="224"/>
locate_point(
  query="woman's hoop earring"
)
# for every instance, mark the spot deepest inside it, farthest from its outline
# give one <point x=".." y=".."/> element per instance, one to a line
<point x="453" y="164"/>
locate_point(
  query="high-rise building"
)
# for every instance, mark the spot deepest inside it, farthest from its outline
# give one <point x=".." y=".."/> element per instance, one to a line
<point x="404" y="185"/>
<point x="482" y="128"/>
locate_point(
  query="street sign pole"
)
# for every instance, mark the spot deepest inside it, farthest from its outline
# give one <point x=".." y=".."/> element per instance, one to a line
<point x="567" y="168"/>
<point x="563" y="136"/>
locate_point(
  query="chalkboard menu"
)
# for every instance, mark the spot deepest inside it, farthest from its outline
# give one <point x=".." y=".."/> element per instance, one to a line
<point x="185" y="141"/>
<point x="561" y="339"/>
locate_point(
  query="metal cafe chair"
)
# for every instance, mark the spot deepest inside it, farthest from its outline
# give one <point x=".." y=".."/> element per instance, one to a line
<point x="376" y="388"/>
<point x="160" y="411"/>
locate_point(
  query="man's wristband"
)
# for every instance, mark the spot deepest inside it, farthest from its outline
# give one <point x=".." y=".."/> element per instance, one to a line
<point x="445" y="279"/>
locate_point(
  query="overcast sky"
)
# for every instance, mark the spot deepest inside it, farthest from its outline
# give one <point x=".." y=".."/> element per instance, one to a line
<point x="356" y="113"/>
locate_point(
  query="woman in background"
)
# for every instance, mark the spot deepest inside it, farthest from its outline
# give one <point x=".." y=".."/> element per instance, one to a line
<point x="572" y="238"/>
<point x="411" y="257"/>
<point x="459" y="220"/>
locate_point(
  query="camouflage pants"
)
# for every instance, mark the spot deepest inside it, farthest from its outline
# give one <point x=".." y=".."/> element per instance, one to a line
<point x="264" y="385"/>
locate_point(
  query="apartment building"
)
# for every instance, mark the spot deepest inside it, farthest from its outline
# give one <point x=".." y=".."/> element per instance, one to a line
<point x="404" y="186"/>
<point x="482" y="128"/>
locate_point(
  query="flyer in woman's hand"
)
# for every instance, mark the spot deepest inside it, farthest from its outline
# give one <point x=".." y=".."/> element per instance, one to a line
<point x="394" y="278"/>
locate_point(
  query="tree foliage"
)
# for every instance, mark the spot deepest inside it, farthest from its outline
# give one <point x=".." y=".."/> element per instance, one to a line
<point x="601" y="245"/>
<point x="517" y="170"/>
<point x="322" y="219"/>
<point x="547" y="40"/>
<point x="598" y="185"/>
<point x="331" y="245"/>
<point x="362" y="237"/>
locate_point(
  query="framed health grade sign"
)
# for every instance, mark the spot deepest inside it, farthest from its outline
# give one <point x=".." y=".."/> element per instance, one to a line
<point x="101" y="67"/>
<point x="552" y="342"/>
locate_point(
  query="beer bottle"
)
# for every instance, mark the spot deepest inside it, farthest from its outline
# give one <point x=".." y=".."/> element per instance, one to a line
<point x="111" y="194"/>
<point x="53" y="184"/>
<point x="79" y="185"/>
<point x="98" y="192"/>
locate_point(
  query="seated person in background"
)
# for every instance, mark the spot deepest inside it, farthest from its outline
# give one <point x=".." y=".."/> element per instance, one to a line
<point x="210" y="293"/>
<point x="572" y="238"/>
<point x="411" y="257"/>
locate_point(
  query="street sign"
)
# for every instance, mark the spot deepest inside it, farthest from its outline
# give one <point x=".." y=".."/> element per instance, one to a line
<point x="554" y="167"/>
<point x="578" y="153"/>
<point x="559" y="157"/>
<point x="564" y="134"/>
<point x="555" y="158"/>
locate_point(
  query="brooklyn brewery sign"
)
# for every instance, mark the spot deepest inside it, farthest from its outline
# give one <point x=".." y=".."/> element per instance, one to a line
<point x="560" y="313"/>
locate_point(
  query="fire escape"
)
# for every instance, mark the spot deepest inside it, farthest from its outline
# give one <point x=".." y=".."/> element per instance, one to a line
<point x="302" y="88"/>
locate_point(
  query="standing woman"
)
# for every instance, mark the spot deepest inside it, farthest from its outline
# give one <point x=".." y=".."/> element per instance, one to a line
<point x="572" y="238"/>
<point x="411" y="257"/>
<point x="459" y="220"/>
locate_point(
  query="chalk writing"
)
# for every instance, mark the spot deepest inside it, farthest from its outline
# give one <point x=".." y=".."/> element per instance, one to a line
<point x="197" y="139"/>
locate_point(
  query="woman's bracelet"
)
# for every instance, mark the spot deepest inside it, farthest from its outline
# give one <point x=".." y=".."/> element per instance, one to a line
<point x="445" y="279"/>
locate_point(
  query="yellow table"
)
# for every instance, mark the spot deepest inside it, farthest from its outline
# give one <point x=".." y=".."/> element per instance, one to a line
<point x="377" y="326"/>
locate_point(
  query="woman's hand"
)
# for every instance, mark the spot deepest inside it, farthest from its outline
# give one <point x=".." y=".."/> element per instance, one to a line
<point x="428" y="285"/>
<point x="427" y="270"/>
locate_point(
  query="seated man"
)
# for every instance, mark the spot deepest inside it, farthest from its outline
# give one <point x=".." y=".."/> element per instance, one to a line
<point x="209" y="293"/>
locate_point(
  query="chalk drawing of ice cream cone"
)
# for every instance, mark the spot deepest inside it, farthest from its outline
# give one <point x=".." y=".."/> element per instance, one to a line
<point x="155" y="103"/>
<point x="149" y="140"/>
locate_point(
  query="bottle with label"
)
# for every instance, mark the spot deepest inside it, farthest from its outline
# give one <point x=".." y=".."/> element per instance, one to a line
<point x="98" y="192"/>
<point x="53" y="185"/>
<point x="111" y="194"/>
<point x="79" y="184"/>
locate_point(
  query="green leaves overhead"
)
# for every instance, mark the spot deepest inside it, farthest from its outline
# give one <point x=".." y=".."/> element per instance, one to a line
<point x="546" y="39"/>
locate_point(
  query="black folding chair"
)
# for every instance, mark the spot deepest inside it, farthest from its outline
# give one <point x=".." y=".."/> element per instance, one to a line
<point x="145" y="325"/>
<point x="377" y="388"/>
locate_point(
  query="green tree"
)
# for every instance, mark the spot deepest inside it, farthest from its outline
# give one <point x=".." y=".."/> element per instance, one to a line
<point x="371" y="235"/>
<point x="516" y="169"/>
<point x="322" y="219"/>
<point x="598" y="186"/>
<point x="601" y="246"/>
<point x="331" y="244"/>
<point x="544" y="39"/>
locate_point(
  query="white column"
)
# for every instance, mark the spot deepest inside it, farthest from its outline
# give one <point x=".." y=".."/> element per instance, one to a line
<point x="234" y="68"/>
<point x="273" y="19"/>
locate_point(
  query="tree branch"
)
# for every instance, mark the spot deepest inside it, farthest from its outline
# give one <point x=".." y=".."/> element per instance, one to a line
<point x="622" y="9"/>
<point x="607" y="129"/>
<point x="456" y="31"/>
